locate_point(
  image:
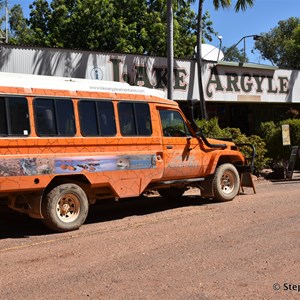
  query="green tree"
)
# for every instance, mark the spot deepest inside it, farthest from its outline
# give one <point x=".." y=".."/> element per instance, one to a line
<point x="281" y="45"/>
<point x="234" y="54"/>
<point x="105" y="25"/>
<point x="131" y="26"/>
<point x="19" y="31"/>
<point x="293" y="49"/>
<point x="170" y="46"/>
<point x="38" y="23"/>
<point x="88" y="25"/>
<point x="59" y="22"/>
<point x="161" y="13"/>
<point x="2" y="32"/>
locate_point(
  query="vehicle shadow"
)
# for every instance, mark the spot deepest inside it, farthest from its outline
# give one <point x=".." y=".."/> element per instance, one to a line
<point x="17" y="225"/>
<point x="112" y="210"/>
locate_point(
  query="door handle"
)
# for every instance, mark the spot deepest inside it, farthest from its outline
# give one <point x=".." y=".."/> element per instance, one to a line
<point x="169" y="147"/>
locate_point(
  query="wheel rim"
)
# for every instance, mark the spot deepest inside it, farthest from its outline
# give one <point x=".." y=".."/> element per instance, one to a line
<point x="227" y="182"/>
<point x="68" y="208"/>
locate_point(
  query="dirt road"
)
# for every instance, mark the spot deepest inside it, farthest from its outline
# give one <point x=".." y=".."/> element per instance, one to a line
<point x="151" y="248"/>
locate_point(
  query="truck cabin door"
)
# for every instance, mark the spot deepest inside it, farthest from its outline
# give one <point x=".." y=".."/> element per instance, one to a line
<point x="182" y="155"/>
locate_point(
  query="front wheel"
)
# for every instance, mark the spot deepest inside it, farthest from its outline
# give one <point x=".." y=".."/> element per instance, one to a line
<point x="65" y="207"/>
<point x="226" y="183"/>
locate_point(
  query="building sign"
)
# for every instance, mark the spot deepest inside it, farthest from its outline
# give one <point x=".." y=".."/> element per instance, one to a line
<point x="147" y="74"/>
<point x="245" y="83"/>
<point x="226" y="82"/>
<point x="250" y="84"/>
<point x="144" y="71"/>
<point x="96" y="73"/>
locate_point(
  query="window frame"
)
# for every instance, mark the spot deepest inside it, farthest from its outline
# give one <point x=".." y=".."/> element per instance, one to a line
<point x="56" y="123"/>
<point x="8" y="120"/>
<point x="135" y="119"/>
<point x="175" y="132"/>
<point x="96" y="102"/>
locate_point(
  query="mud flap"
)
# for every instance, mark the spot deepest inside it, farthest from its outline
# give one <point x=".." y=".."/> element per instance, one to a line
<point x="29" y="204"/>
<point x="206" y="188"/>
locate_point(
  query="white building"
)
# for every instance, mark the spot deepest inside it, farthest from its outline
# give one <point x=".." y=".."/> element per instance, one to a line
<point x="240" y="95"/>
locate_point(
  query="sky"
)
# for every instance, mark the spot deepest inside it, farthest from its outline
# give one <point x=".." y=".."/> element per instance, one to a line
<point x="261" y="18"/>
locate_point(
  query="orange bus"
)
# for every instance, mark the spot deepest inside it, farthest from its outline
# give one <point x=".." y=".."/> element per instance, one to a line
<point x="65" y="143"/>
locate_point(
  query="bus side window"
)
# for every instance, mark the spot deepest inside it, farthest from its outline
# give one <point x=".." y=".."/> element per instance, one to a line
<point x="65" y="117"/>
<point x="134" y="119"/>
<point x="14" y="116"/>
<point x="126" y="116"/>
<point x="97" y="118"/>
<point x="107" y="121"/>
<point x="54" y="117"/>
<point x="143" y="119"/>
<point x="3" y="121"/>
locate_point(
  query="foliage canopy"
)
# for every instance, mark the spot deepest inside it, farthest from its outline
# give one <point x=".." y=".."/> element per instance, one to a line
<point x="281" y="45"/>
<point x="105" y="25"/>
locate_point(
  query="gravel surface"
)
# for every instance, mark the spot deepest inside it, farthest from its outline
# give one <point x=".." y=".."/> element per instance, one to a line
<point x="153" y="248"/>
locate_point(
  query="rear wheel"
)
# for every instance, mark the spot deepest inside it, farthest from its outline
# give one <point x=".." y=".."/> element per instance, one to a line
<point x="65" y="207"/>
<point x="172" y="192"/>
<point x="226" y="183"/>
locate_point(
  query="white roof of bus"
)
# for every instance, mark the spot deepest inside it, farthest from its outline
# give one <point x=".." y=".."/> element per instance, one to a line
<point x="27" y="81"/>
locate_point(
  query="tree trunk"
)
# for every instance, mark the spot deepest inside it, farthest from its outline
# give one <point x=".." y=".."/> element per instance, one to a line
<point x="170" y="48"/>
<point x="199" y="61"/>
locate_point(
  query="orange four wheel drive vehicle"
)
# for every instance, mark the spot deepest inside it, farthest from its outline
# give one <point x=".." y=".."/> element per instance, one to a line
<point x="65" y="143"/>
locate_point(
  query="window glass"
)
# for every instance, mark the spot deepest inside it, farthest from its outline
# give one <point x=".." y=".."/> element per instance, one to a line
<point x="97" y="118"/>
<point x="44" y="117"/>
<point x="3" y="122"/>
<point x="173" y="124"/>
<point x="88" y="118"/>
<point x="135" y="119"/>
<point x="143" y="118"/>
<point x="65" y="117"/>
<point x="14" y="116"/>
<point x="106" y="118"/>
<point x="127" y="122"/>
<point x="18" y="116"/>
<point x="54" y="117"/>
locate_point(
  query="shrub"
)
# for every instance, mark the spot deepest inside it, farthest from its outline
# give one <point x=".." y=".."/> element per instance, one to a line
<point x="272" y="134"/>
<point x="212" y="129"/>
<point x="261" y="161"/>
<point x="267" y="130"/>
<point x="273" y="139"/>
<point x="294" y="130"/>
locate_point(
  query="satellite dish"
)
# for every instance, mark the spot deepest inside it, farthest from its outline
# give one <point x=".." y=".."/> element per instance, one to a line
<point x="210" y="52"/>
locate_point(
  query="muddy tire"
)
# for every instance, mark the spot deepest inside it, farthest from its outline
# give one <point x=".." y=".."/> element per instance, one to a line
<point x="172" y="192"/>
<point x="65" y="207"/>
<point x="226" y="183"/>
